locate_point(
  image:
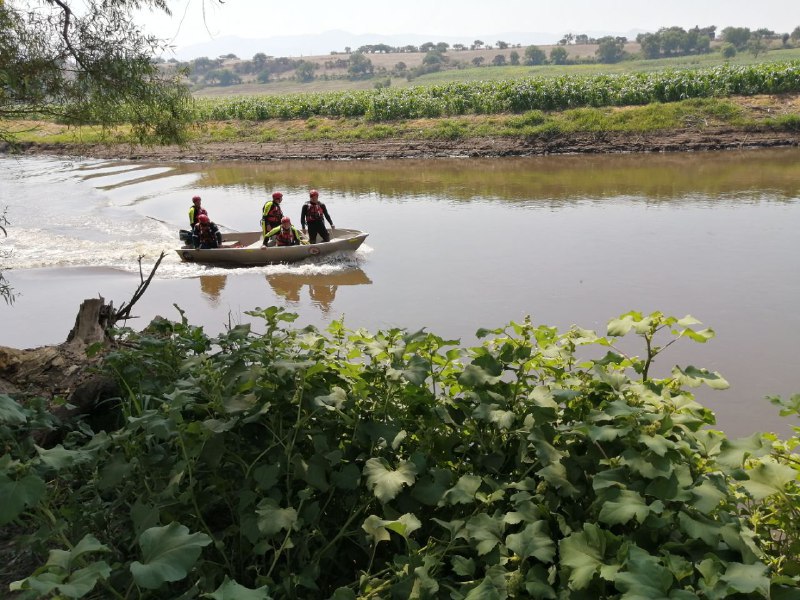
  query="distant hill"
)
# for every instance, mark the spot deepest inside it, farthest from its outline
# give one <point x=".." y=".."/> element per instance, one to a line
<point x="338" y="40"/>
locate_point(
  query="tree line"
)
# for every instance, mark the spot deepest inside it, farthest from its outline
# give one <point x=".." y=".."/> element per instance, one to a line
<point x="356" y="64"/>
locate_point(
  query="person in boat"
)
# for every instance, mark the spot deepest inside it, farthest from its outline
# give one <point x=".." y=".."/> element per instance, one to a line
<point x="314" y="214"/>
<point x="271" y="213"/>
<point x="206" y="234"/>
<point x="195" y="210"/>
<point x="284" y="234"/>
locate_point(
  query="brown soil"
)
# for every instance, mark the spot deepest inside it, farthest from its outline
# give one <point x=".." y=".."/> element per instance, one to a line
<point x="720" y="138"/>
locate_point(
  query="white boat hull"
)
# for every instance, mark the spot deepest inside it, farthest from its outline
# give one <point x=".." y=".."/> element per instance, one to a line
<point x="244" y="249"/>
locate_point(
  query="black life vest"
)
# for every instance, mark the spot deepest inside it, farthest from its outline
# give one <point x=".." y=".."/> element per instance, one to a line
<point x="315" y="212"/>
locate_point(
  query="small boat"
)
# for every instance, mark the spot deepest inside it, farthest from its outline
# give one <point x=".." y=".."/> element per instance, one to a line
<point x="244" y="249"/>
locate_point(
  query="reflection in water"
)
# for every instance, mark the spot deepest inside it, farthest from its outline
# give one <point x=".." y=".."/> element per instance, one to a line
<point x="321" y="287"/>
<point x="212" y="286"/>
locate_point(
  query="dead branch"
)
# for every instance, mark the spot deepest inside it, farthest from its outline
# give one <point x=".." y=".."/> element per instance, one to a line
<point x="124" y="311"/>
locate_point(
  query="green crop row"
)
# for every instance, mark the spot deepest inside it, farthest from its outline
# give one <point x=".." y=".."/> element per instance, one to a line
<point x="511" y="96"/>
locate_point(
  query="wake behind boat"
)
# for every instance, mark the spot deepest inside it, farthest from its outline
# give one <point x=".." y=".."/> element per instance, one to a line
<point x="244" y="249"/>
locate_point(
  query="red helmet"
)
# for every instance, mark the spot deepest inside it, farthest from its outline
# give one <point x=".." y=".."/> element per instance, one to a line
<point x="313" y="193"/>
<point x="285" y="221"/>
<point x="196" y="199"/>
<point x="277" y="195"/>
<point x="203" y="219"/>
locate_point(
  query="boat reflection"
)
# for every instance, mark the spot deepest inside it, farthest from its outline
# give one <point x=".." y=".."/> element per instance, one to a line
<point x="321" y="287"/>
<point x="212" y="286"/>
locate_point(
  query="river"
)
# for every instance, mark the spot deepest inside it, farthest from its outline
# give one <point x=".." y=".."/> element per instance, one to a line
<point x="454" y="245"/>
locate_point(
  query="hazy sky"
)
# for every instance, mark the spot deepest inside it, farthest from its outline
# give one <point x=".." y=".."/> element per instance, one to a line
<point x="268" y="18"/>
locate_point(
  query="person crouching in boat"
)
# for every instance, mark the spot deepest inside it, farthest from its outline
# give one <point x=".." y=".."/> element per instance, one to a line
<point x="271" y="213"/>
<point x="206" y="234"/>
<point x="284" y="234"/>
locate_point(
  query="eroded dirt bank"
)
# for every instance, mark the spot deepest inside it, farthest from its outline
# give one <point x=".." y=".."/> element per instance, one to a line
<point x="579" y="143"/>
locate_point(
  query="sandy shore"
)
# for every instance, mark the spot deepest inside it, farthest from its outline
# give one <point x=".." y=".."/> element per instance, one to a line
<point x="580" y="143"/>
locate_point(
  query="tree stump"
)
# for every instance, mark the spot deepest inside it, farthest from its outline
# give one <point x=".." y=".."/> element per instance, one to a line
<point x="91" y="323"/>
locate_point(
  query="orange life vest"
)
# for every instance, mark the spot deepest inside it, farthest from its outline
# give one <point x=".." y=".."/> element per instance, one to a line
<point x="314" y="212"/>
<point x="286" y="237"/>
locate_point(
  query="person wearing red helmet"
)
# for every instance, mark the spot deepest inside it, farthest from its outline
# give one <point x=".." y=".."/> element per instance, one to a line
<point x="195" y="210"/>
<point x="314" y="214"/>
<point x="206" y="234"/>
<point x="271" y="213"/>
<point x="284" y="234"/>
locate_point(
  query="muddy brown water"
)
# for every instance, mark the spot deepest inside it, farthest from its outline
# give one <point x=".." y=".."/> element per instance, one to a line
<point x="454" y="245"/>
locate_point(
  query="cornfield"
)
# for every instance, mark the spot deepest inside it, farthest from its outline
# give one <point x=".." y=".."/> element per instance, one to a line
<point x="511" y="96"/>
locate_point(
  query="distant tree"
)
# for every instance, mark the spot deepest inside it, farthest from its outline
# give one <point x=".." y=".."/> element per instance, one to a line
<point x="650" y="44"/>
<point x="477" y="44"/>
<point x="582" y="39"/>
<point x="382" y="83"/>
<point x="459" y="47"/>
<point x="514" y="57"/>
<point x="222" y="77"/>
<point x="478" y="61"/>
<point x="442" y="46"/>
<point x="410" y="48"/>
<point x="728" y="50"/>
<point x="756" y="45"/>
<point x="259" y="60"/>
<point x="502" y="45"/>
<point x="710" y="32"/>
<point x="433" y="58"/>
<point x="427" y="47"/>
<point x="765" y="33"/>
<point x="535" y="56"/>
<point x="610" y="50"/>
<point x="499" y="60"/>
<point x="263" y="76"/>
<point x="400" y="67"/>
<point x="558" y="55"/>
<point x="360" y="66"/>
<point x="674" y="40"/>
<point x="785" y="40"/>
<point x="738" y="36"/>
<point x="347" y="49"/>
<point x="305" y="71"/>
<point x="795" y="35"/>
<point x="229" y="57"/>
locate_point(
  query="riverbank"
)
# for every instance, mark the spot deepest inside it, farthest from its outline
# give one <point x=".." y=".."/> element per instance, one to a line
<point x="692" y="125"/>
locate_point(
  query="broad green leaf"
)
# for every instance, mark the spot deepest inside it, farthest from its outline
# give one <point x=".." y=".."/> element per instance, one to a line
<point x="644" y="578"/>
<point x="430" y="489"/>
<point x="747" y="579"/>
<point x="465" y="567"/>
<point x="688" y="321"/>
<point x="693" y="377"/>
<point x="375" y="527"/>
<point x="619" y="327"/>
<point x="272" y="518"/>
<point x="333" y="401"/>
<point x="386" y="483"/>
<point x="229" y="589"/>
<point x="701" y="336"/>
<point x="485" y="531"/>
<point x="59" y="458"/>
<point x="82" y="581"/>
<point x="463" y="492"/>
<point x="537" y="584"/>
<point x="347" y="478"/>
<point x="534" y="540"/>
<point x="18" y="494"/>
<point x="583" y="553"/>
<point x="168" y="554"/>
<point x="11" y="412"/>
<point x="626" y="505"/>
<point x="768" y="478"/>
<point x="707" y="496"/>
<point x="475" y="376"/>
<point x="487" y="590"/>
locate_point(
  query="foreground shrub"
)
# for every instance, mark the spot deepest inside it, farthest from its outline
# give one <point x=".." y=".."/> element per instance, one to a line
<point x="301" y="464"/>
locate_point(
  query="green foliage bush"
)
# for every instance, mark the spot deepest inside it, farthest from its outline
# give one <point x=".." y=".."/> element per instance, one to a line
<point x="514" y="95"/>
<point x="294" y="463"/>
